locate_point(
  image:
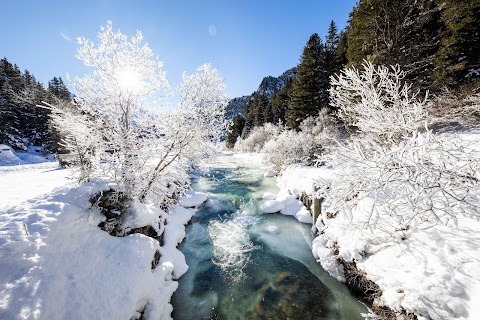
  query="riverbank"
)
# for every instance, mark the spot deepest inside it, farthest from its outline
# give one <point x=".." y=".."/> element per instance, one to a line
<point x="429" y="270"/>
<point x="56" y="263"/>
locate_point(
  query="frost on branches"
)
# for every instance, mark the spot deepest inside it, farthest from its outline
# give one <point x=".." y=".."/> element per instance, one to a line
<point x="409" y="175"/>
<point x="116" y="133"/>
<point x="377" y="101"/>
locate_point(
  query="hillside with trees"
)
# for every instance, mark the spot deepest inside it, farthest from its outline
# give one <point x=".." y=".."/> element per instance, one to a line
<point x="22" y="123"/>
<point x="434" y="42"/>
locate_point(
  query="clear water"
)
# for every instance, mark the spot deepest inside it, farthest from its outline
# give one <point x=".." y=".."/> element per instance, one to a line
<point x="249" y="265"/>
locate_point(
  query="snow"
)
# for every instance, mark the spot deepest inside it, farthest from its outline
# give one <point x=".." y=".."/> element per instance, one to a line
<point x="285" y="204"/>
<point x="55" y="263"/>
<point x="431" y="270"/>
<point x="271" y="206"/>
<point x="269" y="196"/>
<point x="8" y="157"/>
<point x="270" y="173"/>
<point x="192" y="199"/>
<point x="19" y="183"/>
<point x="173" y="236"/>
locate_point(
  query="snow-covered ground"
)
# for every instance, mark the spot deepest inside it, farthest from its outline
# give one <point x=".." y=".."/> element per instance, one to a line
<point x="55" y="263"/>
<point x="432" y="270"/>
<point x="9" y="157"/>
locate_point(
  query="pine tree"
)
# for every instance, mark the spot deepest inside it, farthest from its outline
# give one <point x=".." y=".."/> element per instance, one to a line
<point x="268" y="113"/>
<point x="58" y="89"/>
<point x="421" y="32"/>
<point x="280" y="102"/>
<point x="250" y="109"/>
<point x="234" y="130"/>
<point x="341" y="52"/>
<point x="309" y="92"/>
<point x="261" y="105"/>
<point x="392" y="32"/>
<point x="375" y="30"/>
<point x="331" y="45"/>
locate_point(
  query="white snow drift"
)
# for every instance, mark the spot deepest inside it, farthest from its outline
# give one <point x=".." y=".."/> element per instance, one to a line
<point x="55" y="263"/>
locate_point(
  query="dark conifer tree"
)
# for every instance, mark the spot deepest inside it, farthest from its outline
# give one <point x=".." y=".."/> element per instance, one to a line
<point x="341" y="52"/>
<point x="234" y="130"/>
<point x="250" y="109"/>
<point x="268" y="113"/>
<point x="309" y="92"/>
<point x="280" y="102"/>
<point x="396" y="32"/>
<point x="260" y="106"/>
<point x="331" y="45"/>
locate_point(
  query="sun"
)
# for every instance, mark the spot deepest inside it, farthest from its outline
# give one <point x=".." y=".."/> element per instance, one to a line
<point x="129" y="80"/>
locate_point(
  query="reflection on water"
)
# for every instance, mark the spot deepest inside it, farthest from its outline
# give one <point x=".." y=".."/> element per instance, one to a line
<point x="248" y="265"/>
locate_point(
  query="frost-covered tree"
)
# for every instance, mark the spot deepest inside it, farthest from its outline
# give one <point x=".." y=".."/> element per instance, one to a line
<point x="125" y="74"/>
<point x="377" y="100"/>
<point x="113" y="124"/>
<point x="399" y="174"/>
<point x="190" y="131"/>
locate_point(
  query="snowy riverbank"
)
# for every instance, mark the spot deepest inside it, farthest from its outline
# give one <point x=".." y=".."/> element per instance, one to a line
<point x="429" y="270"/>
<point x="55" y="263"/>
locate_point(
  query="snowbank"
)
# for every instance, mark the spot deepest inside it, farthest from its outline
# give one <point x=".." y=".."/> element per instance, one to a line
<point x="433" y="271"/>
<point x="8" y="157"/>
<point x="55" y="263"/>
<point x="295" y="181"/>
<point x="287" y="205"/>
<point x="192" y="199"/>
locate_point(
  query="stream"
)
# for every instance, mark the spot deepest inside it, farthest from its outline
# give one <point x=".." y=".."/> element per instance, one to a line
<point x="245" y="264"/>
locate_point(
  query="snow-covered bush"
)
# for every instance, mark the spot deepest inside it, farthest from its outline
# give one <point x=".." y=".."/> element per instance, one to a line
<point x="326" y="131"/>
<point x="114" y="126"/>
<point x="257" y="138"/>
<point x="290" y="147"/>
<point x="407" y="176"/>
<point x="377" y="100"/>
<point x="423" y="178"/>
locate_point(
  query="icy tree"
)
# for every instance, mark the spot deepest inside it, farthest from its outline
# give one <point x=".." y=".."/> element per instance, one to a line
<point x="377" y="101"/>
<point x="191" y="130"/>
<point x="398" y="175"/>
<point x="114" y="126"/>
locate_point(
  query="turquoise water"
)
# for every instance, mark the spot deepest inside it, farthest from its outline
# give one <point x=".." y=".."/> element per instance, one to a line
<point x="249" y="265"/>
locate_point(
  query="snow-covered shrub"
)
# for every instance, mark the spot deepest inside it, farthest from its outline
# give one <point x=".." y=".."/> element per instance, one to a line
<point x="290" y="147"/>
<point x="423" y="178"/>
<point x="326" y="130"/>
<point x="377" y="100"/>
<point x="399" y="175"/>
<point x="257" y="138"/>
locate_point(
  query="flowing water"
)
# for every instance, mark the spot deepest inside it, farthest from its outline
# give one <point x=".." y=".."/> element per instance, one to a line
<point x="248" y="265"/>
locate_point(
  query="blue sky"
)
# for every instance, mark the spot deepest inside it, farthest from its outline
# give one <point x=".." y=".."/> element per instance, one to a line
<point x="246" y="40"/>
